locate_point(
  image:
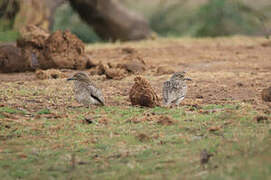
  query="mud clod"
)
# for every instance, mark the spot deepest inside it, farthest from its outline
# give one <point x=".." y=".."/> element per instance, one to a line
<point x="266" y="94"/>
<point x="37" y="49"/>
<point x="143" y="94"/>
<point x="49" y="74"/>
<point x="165" y="120"/>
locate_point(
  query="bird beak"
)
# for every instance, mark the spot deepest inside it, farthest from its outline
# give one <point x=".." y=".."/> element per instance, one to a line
<point x="69" y="79"/>
<point x="188" y="79"/>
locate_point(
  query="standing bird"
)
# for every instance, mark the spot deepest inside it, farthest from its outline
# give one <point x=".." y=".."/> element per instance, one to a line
<point x="85" y="91"/>
<point x="174" y="90"/>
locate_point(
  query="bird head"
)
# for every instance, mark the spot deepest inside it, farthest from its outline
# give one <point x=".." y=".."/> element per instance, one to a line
<point x="79" y="77"/>
<point x="180" y="76"/>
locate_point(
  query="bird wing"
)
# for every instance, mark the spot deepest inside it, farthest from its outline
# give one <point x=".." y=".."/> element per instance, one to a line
<point x="96" y="94"/>
<point x="178" y="91"/>
<point x="173" y="91"/>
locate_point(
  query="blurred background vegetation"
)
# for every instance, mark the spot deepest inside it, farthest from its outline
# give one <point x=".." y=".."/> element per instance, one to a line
<point x="174" y="18"/>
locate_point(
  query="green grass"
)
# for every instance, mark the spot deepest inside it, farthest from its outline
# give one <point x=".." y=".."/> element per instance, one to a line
<point x="44" y="111"/>
<point x="43" y="149"/>
<point x="8" y="36"/>
<point x="45" y="130"/>
<point x="10" y="110"/>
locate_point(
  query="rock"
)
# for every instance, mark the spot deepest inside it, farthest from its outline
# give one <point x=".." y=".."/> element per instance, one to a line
<point x="143" y="94"/>
<point x="266" y="94"/>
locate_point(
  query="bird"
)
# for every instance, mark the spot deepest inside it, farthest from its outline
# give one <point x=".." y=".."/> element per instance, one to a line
<point x="174" y="90"/>
<point x="85" y="90"/>
<point x="204" y="157"/>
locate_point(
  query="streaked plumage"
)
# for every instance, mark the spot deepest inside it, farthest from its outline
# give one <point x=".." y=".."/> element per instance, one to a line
<point x="85" y="91"/>
<point x="174" y="90"/>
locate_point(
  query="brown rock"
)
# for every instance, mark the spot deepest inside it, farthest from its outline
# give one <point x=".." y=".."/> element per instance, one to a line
<point x="266" y="94"/>
<point x="143" y="94"/>
<point x="164" y="70"/>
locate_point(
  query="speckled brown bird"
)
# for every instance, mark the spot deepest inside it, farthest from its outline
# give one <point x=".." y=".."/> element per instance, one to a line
<point x="174" y="90"/>
<point x="143" y="94"/>
<point x="85" y="91"/>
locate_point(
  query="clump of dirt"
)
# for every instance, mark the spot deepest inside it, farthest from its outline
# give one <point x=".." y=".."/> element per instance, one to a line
<point x="214" y="128"/>
<point x="129" y="50"/>
<point x="143" y="94"/>
<point x="266" y="94"/>
<point x="133" y="64"/>
<point x="266" y="44"/>
<point x="110" y="72"/>
<point x="260" y="119"/>
<point x="164" y="70"/>
<point x="104" y="121"/>
<point x="143" y="137"/>
<point x="37" y="49"/>
<point x="165" y="120"/>
<point x="49" y="74"/>
<point x="65" y="50"/>
<point x="13" y="59"/>
<point x="33" y="36"/>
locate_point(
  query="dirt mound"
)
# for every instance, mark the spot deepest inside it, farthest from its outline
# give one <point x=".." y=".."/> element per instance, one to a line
<point x="49" y="74"/>
<point x="133" y="61"/>
<point x="37" y="49"/>
<point x="266" y="94"/>
<point x="129" y="62"/>
<point x="32" y="36"/>
<point x="143" y="94"/>
<point x="65" y="50"/>
<point x="133" y="64"/>
<point x="13" y="59"/>
<point x="110" y="71"/>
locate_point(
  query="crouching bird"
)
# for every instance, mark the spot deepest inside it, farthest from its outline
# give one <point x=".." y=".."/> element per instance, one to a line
<point x="85" y="91"/>
<point x="174" y="90"/>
